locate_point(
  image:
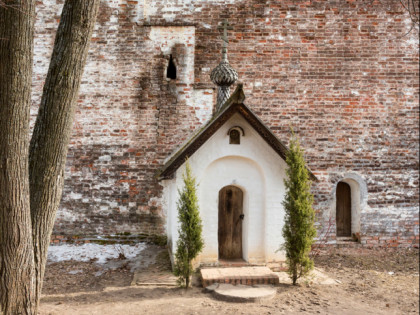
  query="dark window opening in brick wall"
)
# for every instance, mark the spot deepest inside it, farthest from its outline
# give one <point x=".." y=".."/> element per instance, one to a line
<point x="171" y="70"/>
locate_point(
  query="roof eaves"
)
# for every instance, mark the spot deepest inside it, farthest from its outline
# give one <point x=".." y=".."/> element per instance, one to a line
<point x="202" y="135"/>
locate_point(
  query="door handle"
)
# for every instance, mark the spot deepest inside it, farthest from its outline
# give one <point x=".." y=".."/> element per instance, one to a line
<point x="242" y="216"/>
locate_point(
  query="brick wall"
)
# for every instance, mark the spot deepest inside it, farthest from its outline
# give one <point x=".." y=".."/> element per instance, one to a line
<point x="342" y="73"/>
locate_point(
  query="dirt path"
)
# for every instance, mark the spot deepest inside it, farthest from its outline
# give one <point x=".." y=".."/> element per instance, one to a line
<point x="368" y="282"/>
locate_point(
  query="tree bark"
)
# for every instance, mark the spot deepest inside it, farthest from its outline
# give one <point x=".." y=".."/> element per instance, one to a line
<point x="52" y="131"/>
<point x="294" y="277"/>
<point x="16" y="254"/>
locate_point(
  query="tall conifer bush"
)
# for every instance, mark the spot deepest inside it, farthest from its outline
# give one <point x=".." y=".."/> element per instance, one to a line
<point x="190" y="242"/>
<point x="298" y="230"/>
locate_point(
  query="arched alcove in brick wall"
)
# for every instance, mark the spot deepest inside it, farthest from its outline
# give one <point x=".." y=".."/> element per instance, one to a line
<point x="358" y="195"/>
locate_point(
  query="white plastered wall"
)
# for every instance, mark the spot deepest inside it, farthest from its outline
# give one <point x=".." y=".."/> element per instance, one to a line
<point x="257" y="170"/>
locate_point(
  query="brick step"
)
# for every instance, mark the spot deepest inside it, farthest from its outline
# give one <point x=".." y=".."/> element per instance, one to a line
<point x="238" y="275"/>
<point x="233" y="263"/>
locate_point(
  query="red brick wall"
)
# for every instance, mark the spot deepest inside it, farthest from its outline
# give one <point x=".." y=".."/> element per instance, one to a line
<point x="342" y="73"/>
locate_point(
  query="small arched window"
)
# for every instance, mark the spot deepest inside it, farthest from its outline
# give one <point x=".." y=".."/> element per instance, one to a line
<point x="171" y="70"/>
<point x="235" y="135"/>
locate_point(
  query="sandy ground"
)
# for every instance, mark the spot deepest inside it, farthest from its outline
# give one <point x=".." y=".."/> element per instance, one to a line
<point x="366" y="282"/>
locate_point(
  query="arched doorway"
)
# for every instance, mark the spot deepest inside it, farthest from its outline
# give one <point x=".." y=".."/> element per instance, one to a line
<point x="230" y="222"/>
<point x="343" y="210"/>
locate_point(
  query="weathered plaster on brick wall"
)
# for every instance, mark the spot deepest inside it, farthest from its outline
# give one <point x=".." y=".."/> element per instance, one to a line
<point x="340" y="72"/>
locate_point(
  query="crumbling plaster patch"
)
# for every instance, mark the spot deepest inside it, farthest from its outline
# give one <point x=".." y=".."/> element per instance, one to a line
<point x="166" y="39"/>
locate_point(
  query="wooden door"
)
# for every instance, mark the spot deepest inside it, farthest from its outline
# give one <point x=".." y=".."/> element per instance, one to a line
<point x="343" y="209"/>
<point x="230" y="222"/>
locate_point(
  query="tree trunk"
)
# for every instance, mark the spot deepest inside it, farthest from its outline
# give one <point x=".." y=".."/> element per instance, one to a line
<point x="51" y="136"/>
<point x="294" y="276"/>
<point x="16" y="254"/>
<point x="187" y="281"/>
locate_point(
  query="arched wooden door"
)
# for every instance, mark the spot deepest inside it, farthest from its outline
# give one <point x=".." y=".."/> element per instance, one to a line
<point x="230" y="222"/>
<point x="343" y="209"/>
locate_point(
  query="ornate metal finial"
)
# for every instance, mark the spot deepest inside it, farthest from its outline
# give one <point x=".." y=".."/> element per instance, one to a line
<point x="224" y="75"/>
<point x="225" y="27"/>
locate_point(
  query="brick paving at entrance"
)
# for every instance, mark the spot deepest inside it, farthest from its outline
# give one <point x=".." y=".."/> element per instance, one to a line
<point x="239" y="275"/>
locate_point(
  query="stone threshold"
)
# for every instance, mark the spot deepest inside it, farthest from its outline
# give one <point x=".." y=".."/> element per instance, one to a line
<point x="249" y="275"/>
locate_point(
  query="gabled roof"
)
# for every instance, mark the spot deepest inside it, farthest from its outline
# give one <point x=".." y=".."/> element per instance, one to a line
<point x="233" y="105"/>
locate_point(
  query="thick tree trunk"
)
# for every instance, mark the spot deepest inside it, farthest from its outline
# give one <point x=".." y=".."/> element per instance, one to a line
<point x="51" y="136"/>
<point x="16" y="254"/>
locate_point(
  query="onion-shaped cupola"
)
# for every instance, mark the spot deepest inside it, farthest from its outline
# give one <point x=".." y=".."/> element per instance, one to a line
<point x="223" y="75"/>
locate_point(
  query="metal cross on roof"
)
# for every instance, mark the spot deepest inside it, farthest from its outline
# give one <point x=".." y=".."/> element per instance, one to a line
<point x="225" y="27"/>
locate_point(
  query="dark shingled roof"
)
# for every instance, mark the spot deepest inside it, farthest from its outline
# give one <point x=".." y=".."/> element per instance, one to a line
<point x="233" y="105"/>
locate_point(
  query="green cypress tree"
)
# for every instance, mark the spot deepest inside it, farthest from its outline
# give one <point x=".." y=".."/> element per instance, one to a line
<point x="190" y="242"/>
<point x="298" y="230"/>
